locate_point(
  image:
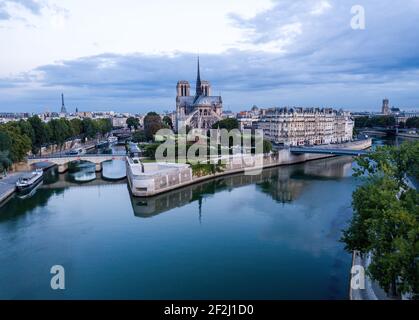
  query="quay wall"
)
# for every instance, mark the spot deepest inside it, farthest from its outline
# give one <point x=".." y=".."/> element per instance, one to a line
<point x="151" y="185"/>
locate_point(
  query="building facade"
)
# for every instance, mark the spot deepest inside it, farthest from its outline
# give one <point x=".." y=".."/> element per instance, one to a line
<point x="199" y="111"/>
<point x="313" y="126"/>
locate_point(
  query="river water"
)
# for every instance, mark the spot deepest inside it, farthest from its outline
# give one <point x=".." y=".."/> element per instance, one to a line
<point x="271" y="236"/>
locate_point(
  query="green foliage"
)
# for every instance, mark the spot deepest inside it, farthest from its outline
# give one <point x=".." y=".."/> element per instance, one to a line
<point x="167" y="121"/>
<point x="150" y="150"/>
<point x="205" y="169"/>
<point x="61" y="130"/>
<point x="376" y="121"/>
<point x="89" y="128"/>
<point x="267" y="146"/>
<point x="20" y="137"/>
<point x="41" y="133"/>
<point x="77" y="126"/>
<point x="413" y="122"/>
<point x="27" y="129"/>
<point x="152" y="124"/>
<point x="229" y="124"/>
<point x="20" y="143"/>
<point x="104" y="126"/>
<point x="394" y="162"/>
<point x="133" y="123"/>
<point x="139" y="136"/>
<point x="386" y="218"/>
<point x="5" y="161"/>
<point x="5" y="141"/>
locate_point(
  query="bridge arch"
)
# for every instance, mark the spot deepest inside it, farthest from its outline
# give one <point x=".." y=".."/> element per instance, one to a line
<point x="62" y="161"/>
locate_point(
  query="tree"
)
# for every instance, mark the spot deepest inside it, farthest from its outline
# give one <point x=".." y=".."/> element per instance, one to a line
<point x="167" y="121"/>
<point x="5" y="162"/>
<point x="5" y="141"/>
<point x="133" y="123"/>
<point x="386" y="218"/>
<point x="40" y="136"/>
<point x="61" y="130"/>
<point x="229" y="124"/>
<point x="267" y="146"/>
<point x="376" y="121"/>
<point x="26" y="129"/>
<point x="77" y="126"/>
<point x="150" y="150"/>
<point x="104" y="126"/>
<point x="5" y="145"/>
<point x="89" y="128"/>
<point x="152" y="124"/>
<point x="20" y="143"/>
<point x="395" y="162"/>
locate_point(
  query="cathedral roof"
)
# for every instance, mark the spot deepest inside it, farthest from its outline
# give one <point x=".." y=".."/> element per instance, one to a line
<point x="206" y="100"/>
<point x="199" y="101"/>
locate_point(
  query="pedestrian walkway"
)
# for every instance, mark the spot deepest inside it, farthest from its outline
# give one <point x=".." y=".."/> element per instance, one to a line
<point x="8" y="185"/>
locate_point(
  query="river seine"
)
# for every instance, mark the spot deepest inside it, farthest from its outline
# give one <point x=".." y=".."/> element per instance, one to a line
<point x="270" y="236"/>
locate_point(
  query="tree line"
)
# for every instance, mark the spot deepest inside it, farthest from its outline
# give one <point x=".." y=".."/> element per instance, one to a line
<point x="152" y="124"/>
<point x="411" y="123"/>
<point x="385" y="121"/>
<point x="376" y="121"/>
<point x="17" y="138"/>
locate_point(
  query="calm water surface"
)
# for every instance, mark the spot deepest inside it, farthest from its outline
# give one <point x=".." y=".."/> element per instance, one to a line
<point x="271" y="236"/>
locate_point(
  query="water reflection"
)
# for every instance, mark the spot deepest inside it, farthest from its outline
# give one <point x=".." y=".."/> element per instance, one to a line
<point x="283" y="184"/>
<point x="113" y="170"/>
<point x="81" y="171"/>
<point x="15" y="207"/>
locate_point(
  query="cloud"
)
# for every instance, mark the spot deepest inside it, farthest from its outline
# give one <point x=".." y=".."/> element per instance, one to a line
<point x="33" y="6"/>
<point x="4" y="15"/>
<point x="9" y="6"/>
<point x="296" y="53"/>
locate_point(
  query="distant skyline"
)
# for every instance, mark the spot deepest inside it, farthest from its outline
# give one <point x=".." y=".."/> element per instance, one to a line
<point x="128" y="56"/>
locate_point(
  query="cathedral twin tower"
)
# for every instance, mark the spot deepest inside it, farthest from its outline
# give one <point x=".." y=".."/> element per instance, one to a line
<point x="201" y="111"/>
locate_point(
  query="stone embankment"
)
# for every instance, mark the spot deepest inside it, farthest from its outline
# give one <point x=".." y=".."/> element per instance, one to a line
<point x="160" y="182"/>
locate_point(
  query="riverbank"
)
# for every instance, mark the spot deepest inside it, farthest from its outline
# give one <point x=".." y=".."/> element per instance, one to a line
<point x="8" y="185"/>
<point x="407" y="135"/>
<point x="157" y="183"/>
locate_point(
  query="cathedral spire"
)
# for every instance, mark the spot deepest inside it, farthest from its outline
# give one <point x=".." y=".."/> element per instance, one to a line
<point x="198" y="82"/>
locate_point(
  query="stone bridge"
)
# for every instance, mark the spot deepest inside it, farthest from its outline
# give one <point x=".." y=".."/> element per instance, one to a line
<point x="62" y="161"/>
<point x="331" y="151"/>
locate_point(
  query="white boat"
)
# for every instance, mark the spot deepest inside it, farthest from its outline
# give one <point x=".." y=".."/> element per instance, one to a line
<point x="112" y="140"/>
<point x="30" y="181"/>
<point x="76" y="152"/>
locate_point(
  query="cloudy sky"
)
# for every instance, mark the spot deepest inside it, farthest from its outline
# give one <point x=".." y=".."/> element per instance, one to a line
<point x="127" y="55"/>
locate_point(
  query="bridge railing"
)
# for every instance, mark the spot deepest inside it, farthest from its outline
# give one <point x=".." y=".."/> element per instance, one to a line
<point x="87" y="155"/>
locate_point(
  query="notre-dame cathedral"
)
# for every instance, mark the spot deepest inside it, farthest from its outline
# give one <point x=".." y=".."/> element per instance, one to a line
<point x="200" y="111"/>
